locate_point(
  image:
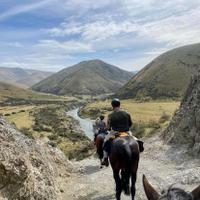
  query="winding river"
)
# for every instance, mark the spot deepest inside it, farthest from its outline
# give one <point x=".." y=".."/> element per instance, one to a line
<point x="86" y="124"/>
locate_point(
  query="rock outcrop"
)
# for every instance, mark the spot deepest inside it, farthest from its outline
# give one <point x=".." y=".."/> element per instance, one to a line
<point x="185" y="125"/>
<point x="28" y="169"/>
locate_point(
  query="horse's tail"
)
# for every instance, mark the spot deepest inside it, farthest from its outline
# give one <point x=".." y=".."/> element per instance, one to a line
<point x="126" y="172"/>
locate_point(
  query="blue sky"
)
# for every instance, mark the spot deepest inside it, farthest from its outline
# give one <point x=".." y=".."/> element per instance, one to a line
<point x="53" y="34"/>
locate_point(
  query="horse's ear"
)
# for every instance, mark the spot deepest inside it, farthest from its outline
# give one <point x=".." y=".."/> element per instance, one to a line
<point x="149" y="190"/>
<point x="196" y="193"/>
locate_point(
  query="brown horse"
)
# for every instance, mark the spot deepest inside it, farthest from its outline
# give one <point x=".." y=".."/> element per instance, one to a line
<point x="172" y="193"/>
<point x="124" y="159"/>
<point x="99" y="146"/>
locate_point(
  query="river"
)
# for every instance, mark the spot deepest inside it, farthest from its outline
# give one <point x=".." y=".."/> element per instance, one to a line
<point x="86" y="124"/>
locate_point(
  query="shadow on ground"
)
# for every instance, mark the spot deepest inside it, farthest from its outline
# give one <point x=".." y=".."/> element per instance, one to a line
<point x="93" y="196"/>
<point x="91" y="169"/>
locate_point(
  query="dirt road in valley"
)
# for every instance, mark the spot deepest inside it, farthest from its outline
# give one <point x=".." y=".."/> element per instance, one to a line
<point x="162" y="165"/>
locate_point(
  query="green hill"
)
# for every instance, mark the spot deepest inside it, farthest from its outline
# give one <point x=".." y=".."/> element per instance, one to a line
<point x="13" y="95"/>
<point x="167" y="76"/>
<point x="22" y="77"/>
<point x="86" y="78"/>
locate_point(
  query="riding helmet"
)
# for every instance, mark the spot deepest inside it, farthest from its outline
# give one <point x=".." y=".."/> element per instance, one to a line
<point x="115" y="103"/>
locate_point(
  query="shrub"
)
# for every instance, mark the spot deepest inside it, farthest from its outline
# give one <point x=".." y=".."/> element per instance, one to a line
<point x="7" y="114"/>
<point x="153" y="124"/>
<point x="27" y="132"/>
<point x="138" y="129"/>
<point x="51" y="143"/>
<point x="37" y="127"/>
<point x="164" y="117"/>
<point x="53" y="137"/>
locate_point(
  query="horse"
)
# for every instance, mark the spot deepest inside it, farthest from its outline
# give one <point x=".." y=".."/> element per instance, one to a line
<point x="99" y="140"/>
<point x="171" y="194"/>
<point x="124" y="158"/>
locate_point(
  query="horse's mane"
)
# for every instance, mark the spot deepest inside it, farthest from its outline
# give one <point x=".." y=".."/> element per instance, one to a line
<point x="176" y="194"/>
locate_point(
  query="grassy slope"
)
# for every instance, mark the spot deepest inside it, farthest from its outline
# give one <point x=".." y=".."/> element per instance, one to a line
<point x="88" y="77"/>
<point x="166" y="76"/>
<point x="143" y="112"/>
<point x="8" y="91"/>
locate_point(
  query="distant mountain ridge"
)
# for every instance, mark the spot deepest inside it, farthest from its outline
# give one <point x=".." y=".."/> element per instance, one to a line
<point x="167" y="76"/>
<point x="22" y="77"/>
<point x="85" y="78"/>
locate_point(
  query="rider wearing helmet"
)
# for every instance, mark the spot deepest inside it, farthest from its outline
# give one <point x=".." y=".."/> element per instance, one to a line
<point x="118" y="121"/>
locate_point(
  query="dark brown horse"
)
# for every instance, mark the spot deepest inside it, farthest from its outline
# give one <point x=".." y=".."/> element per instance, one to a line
<point x="124" y="159"/>
<point x="99" y="140"/>
<point x="171" y="194"/>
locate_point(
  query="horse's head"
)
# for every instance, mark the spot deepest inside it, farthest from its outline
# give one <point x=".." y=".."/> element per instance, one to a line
<point x="172" y="193"/>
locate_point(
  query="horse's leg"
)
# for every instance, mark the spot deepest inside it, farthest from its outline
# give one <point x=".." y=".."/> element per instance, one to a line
<point x="118" y="184"/>
<point x="134" y="169"/>
<point x="134" y="177"/>
<point x="125" y="181"/>
<point x="133" y="180"/>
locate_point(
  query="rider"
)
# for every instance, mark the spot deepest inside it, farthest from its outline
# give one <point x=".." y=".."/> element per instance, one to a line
<point x="118" y="121"/>
<point x="100" y="126"/>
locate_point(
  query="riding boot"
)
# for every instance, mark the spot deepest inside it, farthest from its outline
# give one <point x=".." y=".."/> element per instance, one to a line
<point x="105" y="159"/>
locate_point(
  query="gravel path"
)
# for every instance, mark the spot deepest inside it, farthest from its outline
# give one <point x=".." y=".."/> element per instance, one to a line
<point x="158" y="163"/>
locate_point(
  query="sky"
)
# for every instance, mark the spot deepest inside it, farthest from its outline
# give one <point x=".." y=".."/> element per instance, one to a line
<point x="53" y="34"/>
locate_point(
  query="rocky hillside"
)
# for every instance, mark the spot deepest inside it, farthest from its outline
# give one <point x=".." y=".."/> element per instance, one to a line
<point x="22" y="77"/>
<point x="185" y="125"/>
<point x="28" y="169"/>
<point x="166" y="76"/>
<point x="89" y="77"/>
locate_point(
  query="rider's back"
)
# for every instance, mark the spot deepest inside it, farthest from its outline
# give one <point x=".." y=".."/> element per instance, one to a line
<point x="120" y="120"/>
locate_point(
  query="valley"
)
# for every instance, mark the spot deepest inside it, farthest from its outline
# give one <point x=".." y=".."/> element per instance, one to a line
<point x="61" y="121"/>
<point x="99" y="100"/>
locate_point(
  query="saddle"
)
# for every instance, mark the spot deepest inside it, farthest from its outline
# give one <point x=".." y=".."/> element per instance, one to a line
<point x="119" y="134"/>
<point x="125" y="134"/>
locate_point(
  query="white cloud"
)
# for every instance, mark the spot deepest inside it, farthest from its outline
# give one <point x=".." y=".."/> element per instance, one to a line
<point x="23" y="8"/>
<point x="163" y="29"/>
<point x="67" y="47"/>
<point x="96" y="31"/>
<point x="105" y="29"/>
<point x="175" y="30"/>
<point x="87" y="5"/>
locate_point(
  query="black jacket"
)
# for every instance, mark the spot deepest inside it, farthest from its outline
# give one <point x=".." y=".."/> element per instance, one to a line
<point x="119" y="120"/>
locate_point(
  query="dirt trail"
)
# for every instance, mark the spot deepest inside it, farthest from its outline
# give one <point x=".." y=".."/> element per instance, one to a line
<point x="93" y="183"/>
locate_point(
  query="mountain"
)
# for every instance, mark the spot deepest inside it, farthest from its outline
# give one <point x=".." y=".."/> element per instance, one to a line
<point x="22" y="77"/>
<point x="88" y="77"/>
<point x="184" y="127"/>
<point x="166" y="76"/>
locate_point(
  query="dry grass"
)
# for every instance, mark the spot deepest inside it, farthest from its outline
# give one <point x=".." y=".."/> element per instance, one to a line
<point x="10" y="109"/>
<point x="141" y="112"/>
<point x="21" y="120"/>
